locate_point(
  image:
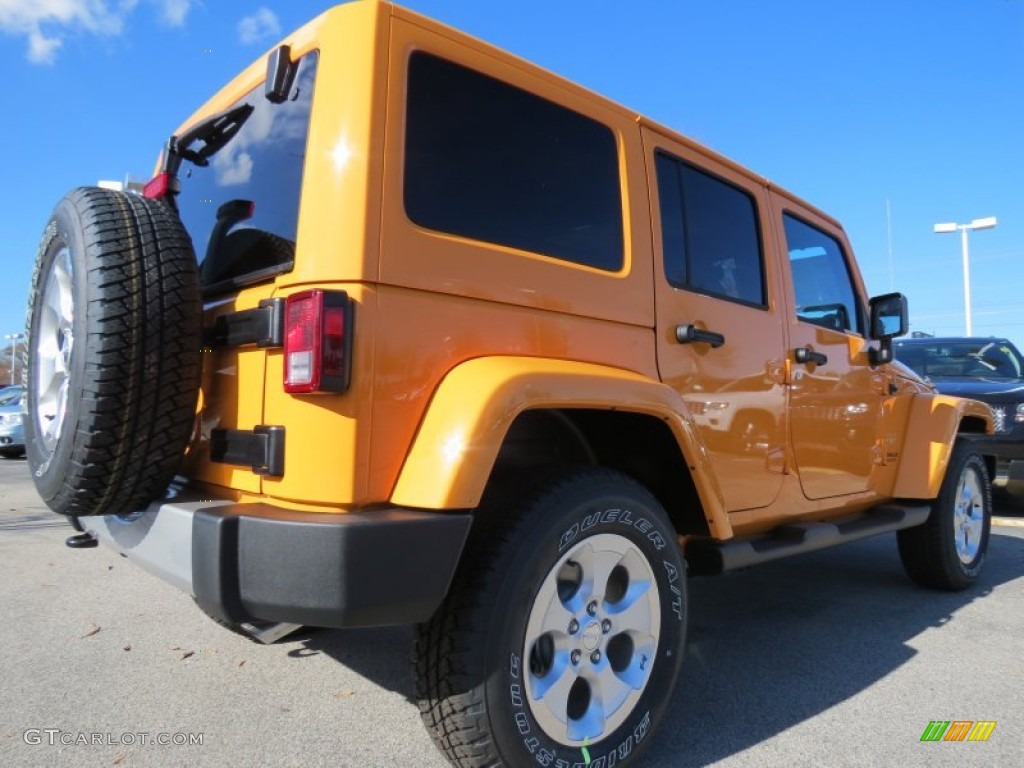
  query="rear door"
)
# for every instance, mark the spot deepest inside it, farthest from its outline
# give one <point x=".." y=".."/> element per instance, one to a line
<point x="720" y="334"/>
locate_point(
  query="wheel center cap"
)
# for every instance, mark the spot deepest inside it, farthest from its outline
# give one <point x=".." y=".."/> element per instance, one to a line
<point x="592" y="636"/>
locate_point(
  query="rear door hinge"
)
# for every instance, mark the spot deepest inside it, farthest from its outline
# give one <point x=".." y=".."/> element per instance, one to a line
<point x="261" y="449"/>
<point x="262" y="326"/>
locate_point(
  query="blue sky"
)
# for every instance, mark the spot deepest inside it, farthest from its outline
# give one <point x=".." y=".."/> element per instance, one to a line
<point x="918" y="103"/>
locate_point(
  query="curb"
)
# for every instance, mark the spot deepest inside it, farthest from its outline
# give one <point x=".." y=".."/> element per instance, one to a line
<point x="1009" y="522"/>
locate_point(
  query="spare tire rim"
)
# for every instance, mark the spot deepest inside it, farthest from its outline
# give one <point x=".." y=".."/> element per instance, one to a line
<point x="52" y="343"/>
<point x="968" y="515"/>
<point x="591" y="639"/>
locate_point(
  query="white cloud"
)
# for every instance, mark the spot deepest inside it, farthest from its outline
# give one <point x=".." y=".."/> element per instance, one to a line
<point x="260" y="26"/>
<point x="23" y="17"/>
<point x="42" y="49"/>
<point x="233" y="168"/>
<point x="173" y="12"/>
<point x="46" y="23"/>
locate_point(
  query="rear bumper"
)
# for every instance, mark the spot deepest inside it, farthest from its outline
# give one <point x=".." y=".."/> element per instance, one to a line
<point x="1009" y="475"/>
<point x="1008" y="451"/>
<point x="257" y="562"/>
<point x="12" y="437"/>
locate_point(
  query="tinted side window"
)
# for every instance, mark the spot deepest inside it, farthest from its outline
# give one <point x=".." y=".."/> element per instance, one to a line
<point x="709" y="234"/>
<point x="821" y="281"/>
<point x="262" y="164"/>
<point x="489" y="161"/>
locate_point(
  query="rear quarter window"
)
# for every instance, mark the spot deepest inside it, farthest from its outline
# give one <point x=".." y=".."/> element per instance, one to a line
<point x="489" y="161"/>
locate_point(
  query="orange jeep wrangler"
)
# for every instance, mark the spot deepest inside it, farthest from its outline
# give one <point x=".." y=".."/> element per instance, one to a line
<point x="408" y="330"/>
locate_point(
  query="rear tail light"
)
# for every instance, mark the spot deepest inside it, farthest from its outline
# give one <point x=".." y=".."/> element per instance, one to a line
<point x="317" y="342"/>
<point x="158" y="186"/>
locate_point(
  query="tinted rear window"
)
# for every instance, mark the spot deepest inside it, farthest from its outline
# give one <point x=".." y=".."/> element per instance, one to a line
<point x="492" y="162"/>
<point x="262" y="163"/>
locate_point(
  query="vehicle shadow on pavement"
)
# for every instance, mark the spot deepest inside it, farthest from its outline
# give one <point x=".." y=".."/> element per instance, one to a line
<point x="382" y="654"/>
<point x="1007" y="505"/>
<point x="772" y="647"/>
<point x="769" y="647"/>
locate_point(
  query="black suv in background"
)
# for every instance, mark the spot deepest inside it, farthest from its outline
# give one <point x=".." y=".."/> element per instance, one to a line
<point x="986" y="369"/>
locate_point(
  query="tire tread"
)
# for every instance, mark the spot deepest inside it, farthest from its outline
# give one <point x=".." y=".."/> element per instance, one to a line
<point x="142" y="343"/>
<point x="450" y="701"/>
<point x="927" y="551"/>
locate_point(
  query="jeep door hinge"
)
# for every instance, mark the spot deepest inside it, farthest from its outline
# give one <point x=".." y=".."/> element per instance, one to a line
<point x="262" y="326"/>
<point x="262" y="449"/>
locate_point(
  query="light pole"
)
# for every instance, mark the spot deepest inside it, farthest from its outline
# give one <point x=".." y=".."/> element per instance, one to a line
<point x="14" y="338"/>
<point x="986" y="223"/>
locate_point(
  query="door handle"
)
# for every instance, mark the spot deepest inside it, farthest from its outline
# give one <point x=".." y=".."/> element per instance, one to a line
<point x="807" y="355"/>
<point x="688" y="334"/>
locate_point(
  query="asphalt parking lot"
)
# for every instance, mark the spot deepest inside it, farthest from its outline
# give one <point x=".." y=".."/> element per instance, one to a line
<point x="832" y="658"/>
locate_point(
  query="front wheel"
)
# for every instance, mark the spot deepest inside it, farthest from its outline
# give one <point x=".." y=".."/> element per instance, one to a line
<point x="563" y="631"/>
<point x="948" y="551"/>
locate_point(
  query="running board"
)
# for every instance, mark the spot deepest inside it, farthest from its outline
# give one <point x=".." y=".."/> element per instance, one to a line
<point x="707" y="556"/>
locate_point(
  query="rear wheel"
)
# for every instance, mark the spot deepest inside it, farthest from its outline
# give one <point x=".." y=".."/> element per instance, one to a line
<point x="562" y="634"/>
<point x="113" y="362"/>
<point x="948" y="551"/>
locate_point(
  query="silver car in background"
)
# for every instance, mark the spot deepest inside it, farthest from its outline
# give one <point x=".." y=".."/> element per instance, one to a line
<point x="12" y="431"/>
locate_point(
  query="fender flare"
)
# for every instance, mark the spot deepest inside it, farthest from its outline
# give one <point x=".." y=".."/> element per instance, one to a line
<point x="931" y="431"/>
<point x="455" y="448"/>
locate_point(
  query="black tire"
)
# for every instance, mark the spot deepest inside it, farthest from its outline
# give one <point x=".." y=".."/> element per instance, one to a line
<point x="474" y="673"/>
<point x="931" y="553"/>
<point x="129" y="377"/>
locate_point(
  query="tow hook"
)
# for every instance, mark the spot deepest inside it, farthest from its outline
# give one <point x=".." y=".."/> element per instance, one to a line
<point x="81" y="541"/>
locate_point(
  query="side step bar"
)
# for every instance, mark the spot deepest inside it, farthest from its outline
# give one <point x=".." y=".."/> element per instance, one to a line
<point x="707" y="556"/>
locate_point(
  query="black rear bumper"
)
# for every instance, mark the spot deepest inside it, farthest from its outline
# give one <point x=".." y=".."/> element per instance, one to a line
<point x="255" y="562"/>
<point x="1008" y="452"/>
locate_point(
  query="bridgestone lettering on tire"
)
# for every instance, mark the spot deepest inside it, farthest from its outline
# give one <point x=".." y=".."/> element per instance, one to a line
<point x="113" y="363"/>
<point x="561" y="637"/>
<point x="948" y="551"/>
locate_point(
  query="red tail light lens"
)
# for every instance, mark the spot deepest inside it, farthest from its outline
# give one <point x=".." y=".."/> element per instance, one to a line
<point x="317" y="342"/>
<point x="158" y="186"/>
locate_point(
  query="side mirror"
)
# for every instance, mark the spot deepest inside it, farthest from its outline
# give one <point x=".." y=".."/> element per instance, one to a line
<point x="888" y="320"/>
<point x="888" y="316"/>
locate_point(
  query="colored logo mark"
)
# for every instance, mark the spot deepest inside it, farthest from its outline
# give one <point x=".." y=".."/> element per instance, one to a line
<point x="958" y="730"/>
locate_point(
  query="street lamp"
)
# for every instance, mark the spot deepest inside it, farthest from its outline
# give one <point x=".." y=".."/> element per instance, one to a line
<point x="14" y="338"/>
<point x="941" y="229"/>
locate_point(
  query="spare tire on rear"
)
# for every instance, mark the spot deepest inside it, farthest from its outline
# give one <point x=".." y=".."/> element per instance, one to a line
<point x="114" y="353"/>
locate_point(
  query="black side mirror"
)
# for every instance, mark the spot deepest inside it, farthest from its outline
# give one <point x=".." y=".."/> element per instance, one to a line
<point x="889" y="319"/>
<point x="889" y="316"/>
